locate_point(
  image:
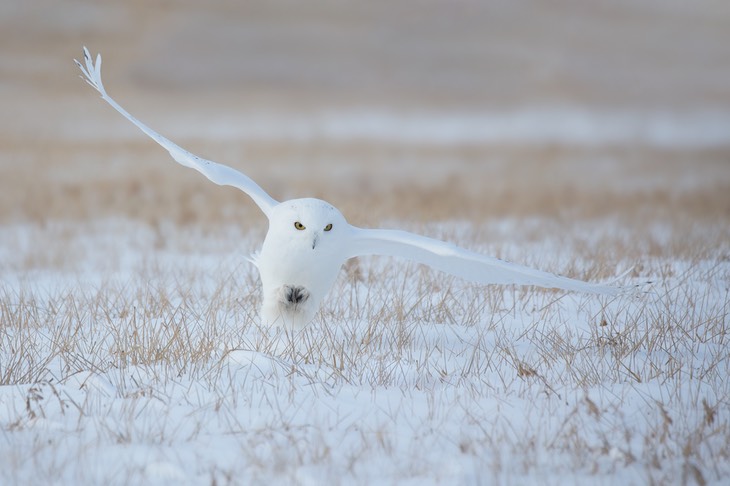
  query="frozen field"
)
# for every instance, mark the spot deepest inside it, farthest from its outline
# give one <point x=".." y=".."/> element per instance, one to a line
<point x="580" y="138"/>
<point x="132" y="355"/>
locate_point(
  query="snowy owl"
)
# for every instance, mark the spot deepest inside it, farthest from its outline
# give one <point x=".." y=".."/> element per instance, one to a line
<point x="309" y="240"/>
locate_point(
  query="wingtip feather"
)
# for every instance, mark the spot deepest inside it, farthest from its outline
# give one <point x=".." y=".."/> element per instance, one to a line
<point x="91" y="70"/>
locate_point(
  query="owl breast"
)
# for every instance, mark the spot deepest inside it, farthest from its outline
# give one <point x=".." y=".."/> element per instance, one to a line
<point x="294" y="281"/>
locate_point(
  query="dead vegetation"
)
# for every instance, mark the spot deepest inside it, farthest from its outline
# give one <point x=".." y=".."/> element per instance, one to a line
<point x="630" y="385"/>
<point x="139" y="181"/>
<point x="128" y="315"/>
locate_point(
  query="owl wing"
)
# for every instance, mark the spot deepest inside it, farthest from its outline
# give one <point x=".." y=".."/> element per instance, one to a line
<point x="217" y="173"/>
<point x="460" y="262"/>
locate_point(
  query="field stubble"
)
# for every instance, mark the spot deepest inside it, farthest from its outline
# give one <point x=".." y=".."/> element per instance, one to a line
<point x="369" y="182"/>
<point x="129" y="345"/>
<point x="129" y="326"/>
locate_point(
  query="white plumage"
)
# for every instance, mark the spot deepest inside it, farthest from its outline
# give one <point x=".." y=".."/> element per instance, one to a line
<point x="309" y="240"/>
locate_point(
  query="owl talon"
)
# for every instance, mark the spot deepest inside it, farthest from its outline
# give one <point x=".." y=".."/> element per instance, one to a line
<point x="294" y="295"/>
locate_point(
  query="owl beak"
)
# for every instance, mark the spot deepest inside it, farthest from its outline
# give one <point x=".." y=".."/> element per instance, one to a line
<point x="315" y="240"/>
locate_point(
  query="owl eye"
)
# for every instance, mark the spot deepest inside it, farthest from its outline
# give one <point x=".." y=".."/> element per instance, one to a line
<point x="328" y="227"/>
<point x="299" y="226"/>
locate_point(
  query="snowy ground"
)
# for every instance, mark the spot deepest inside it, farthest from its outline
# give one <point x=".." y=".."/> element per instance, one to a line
<point x="583" y="138"/>
<point x="131" y="354"/>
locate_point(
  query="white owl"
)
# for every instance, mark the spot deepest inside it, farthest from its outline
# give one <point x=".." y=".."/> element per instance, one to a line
<point x="309" y="240"/>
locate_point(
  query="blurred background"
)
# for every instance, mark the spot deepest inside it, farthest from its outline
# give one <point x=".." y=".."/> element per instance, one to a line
<point x="390" y="110"/>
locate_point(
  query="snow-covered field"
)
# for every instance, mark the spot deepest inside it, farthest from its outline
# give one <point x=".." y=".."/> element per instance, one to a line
<point x="131" y="355"/>
<point x="583" y="138"/>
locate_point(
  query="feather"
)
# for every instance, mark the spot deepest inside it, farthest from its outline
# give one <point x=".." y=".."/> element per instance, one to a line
<point x="466" y="264"/>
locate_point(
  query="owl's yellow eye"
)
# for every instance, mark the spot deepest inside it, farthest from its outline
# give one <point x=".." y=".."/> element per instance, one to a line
<point x="328" y="227"/>
<point x="299" y="226"/>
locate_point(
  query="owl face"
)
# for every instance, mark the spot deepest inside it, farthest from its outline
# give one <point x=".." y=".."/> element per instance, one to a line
<point x="308" y="222"/>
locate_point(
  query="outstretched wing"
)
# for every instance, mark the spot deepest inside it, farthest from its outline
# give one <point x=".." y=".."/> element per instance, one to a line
<point x="218" y="173"/>
<point x="460" y="262"/>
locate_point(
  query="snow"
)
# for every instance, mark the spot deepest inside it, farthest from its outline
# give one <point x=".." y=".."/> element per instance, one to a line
<point x="696" y="128"/>
<point x="130" y="363"/>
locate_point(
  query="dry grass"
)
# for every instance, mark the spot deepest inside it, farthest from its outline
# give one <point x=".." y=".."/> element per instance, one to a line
<point x="128" y="319"/>
<point x="169" y="341"/>
<point x="129" y="346"/>
<point x="139" y="181"/>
